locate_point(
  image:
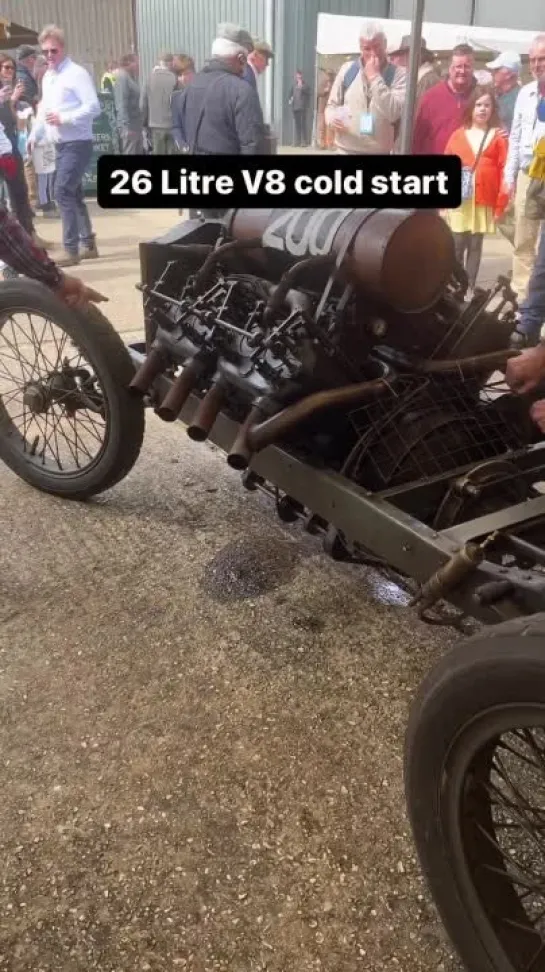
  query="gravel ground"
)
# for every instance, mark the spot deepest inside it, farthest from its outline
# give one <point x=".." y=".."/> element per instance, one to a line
<point x="201" y="757"/>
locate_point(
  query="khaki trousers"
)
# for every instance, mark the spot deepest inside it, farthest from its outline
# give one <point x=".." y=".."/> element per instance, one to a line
<point x="32" y="183"/>
<point x="526" y="240"/>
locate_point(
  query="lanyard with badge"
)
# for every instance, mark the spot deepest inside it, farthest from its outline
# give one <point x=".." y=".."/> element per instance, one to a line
<point x="367" y="120"/>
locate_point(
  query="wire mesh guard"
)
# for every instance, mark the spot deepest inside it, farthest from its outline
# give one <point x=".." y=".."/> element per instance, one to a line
<point x="424" y="427"/>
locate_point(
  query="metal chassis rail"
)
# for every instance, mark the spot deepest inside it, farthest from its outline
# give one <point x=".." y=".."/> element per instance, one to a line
<point x="403" y="542"/>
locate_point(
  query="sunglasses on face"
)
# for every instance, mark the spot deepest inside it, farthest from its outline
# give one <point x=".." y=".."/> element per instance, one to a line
<point x="51" y="52"/>
<point x="8" y="67"/>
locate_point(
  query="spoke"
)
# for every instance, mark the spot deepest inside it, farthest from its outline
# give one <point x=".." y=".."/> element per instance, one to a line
<point x="53" y="434"/>
<point x="525" y="759"/>
<point x="504" y="775"/>
<point x="20" y="358"/>
<point x="540" y="755"/>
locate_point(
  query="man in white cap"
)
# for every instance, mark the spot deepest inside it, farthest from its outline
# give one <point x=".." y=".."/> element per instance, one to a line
<point x="506" y="68"/>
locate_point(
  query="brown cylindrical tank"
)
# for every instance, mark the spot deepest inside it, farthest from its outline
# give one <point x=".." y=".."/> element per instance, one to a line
<point x="402" y="257"/>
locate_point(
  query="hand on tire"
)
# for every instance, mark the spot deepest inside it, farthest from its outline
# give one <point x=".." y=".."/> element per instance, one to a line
<point x="76" y="293"/>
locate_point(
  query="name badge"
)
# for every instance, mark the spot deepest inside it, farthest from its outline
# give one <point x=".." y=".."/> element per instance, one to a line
<point x="367" y="124"/>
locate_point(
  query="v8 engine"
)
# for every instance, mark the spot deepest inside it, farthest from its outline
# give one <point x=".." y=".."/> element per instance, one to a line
<point x="344" y="334"/>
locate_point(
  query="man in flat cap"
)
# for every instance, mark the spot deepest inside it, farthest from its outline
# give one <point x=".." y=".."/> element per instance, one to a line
<point x="428" y="76"/>
<point x="258" y="61"/>
<point x="219" y="112"/>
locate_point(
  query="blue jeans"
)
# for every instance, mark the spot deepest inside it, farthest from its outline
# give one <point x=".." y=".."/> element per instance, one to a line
<point x="73" y="159"/>
<point x="532" y="310"/>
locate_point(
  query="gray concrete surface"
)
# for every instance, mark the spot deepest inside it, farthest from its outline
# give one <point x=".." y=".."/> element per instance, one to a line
<point x="199" y="771"/>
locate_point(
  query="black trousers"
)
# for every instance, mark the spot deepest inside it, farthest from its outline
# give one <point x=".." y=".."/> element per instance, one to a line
<point x="18" y="196"/>
<point x="300" y="123"/>
<point x="469" y="251"/>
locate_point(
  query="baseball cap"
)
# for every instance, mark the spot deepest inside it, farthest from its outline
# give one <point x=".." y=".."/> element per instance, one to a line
<point x="263" y="48"/>
<point x="235" y="34"/>
<point x="507" y="59"/>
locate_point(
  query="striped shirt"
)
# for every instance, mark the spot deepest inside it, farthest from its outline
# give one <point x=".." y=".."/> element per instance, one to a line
<point x="19" y="252"/>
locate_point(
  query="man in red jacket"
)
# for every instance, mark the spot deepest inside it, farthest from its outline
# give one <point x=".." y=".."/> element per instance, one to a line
<point x="441" y="109"/>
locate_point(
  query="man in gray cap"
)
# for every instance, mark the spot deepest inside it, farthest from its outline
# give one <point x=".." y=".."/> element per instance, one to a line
<point x="26" y="62"/>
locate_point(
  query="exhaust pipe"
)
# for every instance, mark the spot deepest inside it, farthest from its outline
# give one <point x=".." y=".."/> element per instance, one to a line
<point x="148" y="371"/>
<point x="207" y="413"/>
<point x="275" y="428"/>
<point x="176" y="397"/>
<point x="240" y="453"/>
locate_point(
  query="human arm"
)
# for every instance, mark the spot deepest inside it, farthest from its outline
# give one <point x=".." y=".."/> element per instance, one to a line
<point x="178" y="112"/>
<point x="336" y="101"/>
<point x="502" y="201"/>
<point x="512" y="164"/>
<point x="21" y="254"/>
<point x="389" y="100"/>
<point x="249" y="121"/>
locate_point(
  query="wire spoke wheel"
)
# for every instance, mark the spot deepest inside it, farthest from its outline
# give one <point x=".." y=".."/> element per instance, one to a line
<point x="68" y="424"/>
<point x="475" y="785"/>
<point x="502" y="831"/>
<point x="50" y="395"/>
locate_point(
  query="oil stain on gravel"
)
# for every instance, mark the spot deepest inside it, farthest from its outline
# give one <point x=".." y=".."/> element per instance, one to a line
<point x="249" y="567"/>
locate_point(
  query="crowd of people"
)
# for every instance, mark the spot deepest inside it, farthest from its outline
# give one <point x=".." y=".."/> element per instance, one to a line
<point x="490" y="119"/>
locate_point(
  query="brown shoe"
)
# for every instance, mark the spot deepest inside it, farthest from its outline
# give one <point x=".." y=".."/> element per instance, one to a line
<point x="68" y="260"/>
<point x="89" y="252"/>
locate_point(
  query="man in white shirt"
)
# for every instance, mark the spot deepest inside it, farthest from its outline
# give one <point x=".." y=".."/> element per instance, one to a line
<point x="69" y="106"/>
<point x="525" y="131"/>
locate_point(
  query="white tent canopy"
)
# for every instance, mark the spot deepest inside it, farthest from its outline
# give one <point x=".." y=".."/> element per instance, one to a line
<point x="338" y="34"/>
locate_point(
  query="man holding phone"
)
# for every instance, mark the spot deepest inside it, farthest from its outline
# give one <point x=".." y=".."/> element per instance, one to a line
<point x="366" y="101"/>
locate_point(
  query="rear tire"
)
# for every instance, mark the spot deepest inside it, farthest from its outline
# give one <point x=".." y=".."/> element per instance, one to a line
<point x="92" y="333"/>
<point x="488" y="686"/>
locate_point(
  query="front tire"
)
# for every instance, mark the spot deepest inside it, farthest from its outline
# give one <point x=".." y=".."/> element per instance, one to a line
<point x="111" y="418"/>
<point x="479" y="719"/>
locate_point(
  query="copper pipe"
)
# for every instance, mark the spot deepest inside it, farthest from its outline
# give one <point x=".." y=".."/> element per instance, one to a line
<point x="179" y="392"/>
<point x="274" y="428"/>
<point x="468" y="366"/>
<point x="207" y="413"/>
<point x="289" y="279"/>
<point x="203" y="275"/>
<point x="241" y="452"/>
<point x="154" y="364"/>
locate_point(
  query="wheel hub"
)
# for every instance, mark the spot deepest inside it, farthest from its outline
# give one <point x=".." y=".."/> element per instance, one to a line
<point x="36" y="398"/>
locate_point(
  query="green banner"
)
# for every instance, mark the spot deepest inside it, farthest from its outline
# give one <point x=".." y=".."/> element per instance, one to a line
<point x="105" y="140"/>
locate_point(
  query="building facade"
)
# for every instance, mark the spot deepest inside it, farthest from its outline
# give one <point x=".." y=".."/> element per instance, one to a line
<point x="290" y="27"/>
<point x="97" y="31"/>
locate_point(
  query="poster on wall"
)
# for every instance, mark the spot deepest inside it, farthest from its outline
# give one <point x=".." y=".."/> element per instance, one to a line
<point x="105" y="140"/>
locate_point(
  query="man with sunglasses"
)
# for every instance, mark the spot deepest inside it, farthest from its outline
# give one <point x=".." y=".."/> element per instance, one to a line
<point x="68" y="108"/>
<point x="528" y="126"/>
